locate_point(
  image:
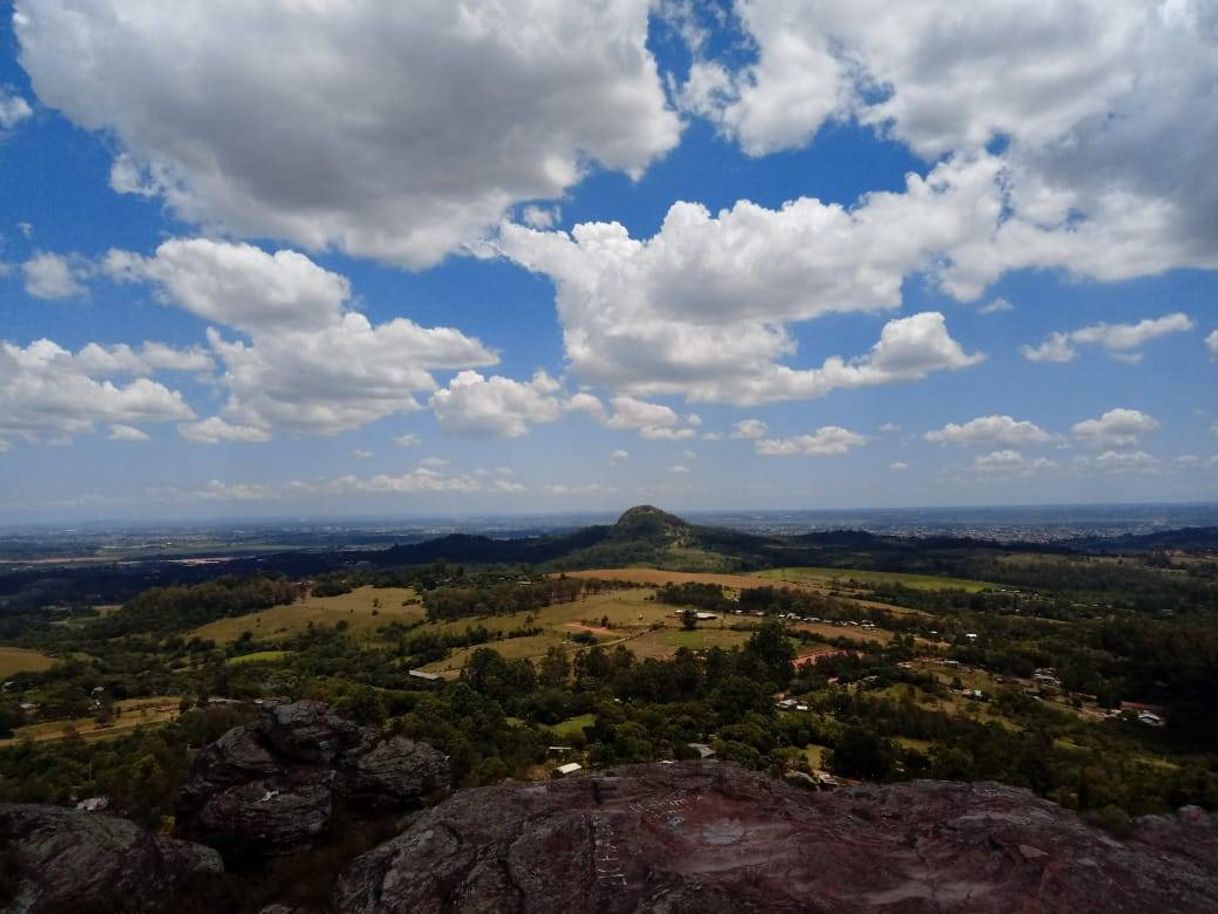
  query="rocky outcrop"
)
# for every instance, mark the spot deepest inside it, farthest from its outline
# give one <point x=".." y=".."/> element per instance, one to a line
<point x="60" y="860"/>
<point x="272" y="787"/>
<point x="711" y="837"/>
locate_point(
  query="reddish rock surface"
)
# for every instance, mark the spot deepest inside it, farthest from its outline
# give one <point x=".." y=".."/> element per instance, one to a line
<point x="711" y="837"/>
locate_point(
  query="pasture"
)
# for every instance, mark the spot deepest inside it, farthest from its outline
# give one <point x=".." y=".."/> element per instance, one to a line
<point x="364" y="609"/>
<point x="625" y="609"/>
<point x="259" y="657"/>
<point x="855" y="634"/>
<point x="839" y="577"/>
<point x="655" y="577"/>
<point x="129" y="714"/>
<point x="15" y="660"/>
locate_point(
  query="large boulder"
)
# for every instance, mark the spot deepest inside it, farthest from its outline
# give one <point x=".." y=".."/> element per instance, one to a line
<point x="55" y="861"/>
<point x="272" y="787"/>
<point x="712" y="837"/>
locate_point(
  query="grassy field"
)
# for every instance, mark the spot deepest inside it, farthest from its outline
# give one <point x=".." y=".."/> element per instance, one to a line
<point x="859" y="636"/>
<point x="356" y="608"/>
<point x="133" y="712"/>
<point x="816" y="755"/>
<point x="260" y="657"/>
<point x="828" y="577"/>
<point x="531" y="647"/>
<point x="19" y="660"/>
<point x="655" y="577"/>
<point x="572" y="726"/>
<point x="664" y="643"/>
<point x="626" y="609"/>
<point x="649" y="629"/>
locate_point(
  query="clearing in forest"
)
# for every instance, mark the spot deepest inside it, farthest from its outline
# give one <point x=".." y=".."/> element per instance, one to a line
<point x="364" y="609"/>
<point x="129" y="714"/>
<point x="839" y="577"/>
<point x="15" y="660"/>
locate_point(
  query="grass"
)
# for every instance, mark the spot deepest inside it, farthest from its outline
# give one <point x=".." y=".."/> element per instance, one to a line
<point x="572" y="726"/>
<point x="260" y="657"/>
<point x="825" y="577"/>
<point x="15" y="660"/>
<point x="530" y="647"/>
<point x="355" y="608"/>
<point x="131" y="713"/>
<point x="656" y="577"/>
<point x="856" y="635"/>
<point x="626" y="609"/>
<point x="816" y="755"/>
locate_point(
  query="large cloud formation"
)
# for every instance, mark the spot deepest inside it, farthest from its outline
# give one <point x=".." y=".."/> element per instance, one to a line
<point x="1099" y="112"/>
<point x="393" y="131"/>
<point x="49" y="393"/>
<point x="311" y="364"/>
<point x="702" y="308"/>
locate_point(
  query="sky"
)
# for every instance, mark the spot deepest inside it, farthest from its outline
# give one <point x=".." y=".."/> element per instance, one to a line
<point x="311" y="258"/>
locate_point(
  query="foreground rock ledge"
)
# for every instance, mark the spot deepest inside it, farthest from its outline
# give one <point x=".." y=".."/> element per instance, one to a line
<point x="271" y="787"/>
<point x="711" y="837"/>
<point x="63" y="860"/>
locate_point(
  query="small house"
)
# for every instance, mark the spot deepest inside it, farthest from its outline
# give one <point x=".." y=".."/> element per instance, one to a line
<point x="425" y="676"/>
<point x="565" y="771"/>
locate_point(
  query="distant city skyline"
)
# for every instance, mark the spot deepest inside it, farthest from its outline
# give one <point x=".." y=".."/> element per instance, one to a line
<point x="534" y="256"/>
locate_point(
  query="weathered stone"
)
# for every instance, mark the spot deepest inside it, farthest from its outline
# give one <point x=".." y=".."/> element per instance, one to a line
<point x="65" y="860"/>
<point x="711" y="837"/>
<point x="397" y="771"/>
<point x="271" y="787"/>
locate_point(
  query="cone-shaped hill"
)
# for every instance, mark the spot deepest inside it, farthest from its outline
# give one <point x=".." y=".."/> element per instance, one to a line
<point x="647" y="522"/>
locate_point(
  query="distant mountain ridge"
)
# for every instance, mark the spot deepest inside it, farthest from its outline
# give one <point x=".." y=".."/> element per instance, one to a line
<point x="644" y="535"/>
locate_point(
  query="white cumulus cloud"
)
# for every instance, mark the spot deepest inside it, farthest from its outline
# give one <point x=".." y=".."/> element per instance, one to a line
<point x="702" y="308"/>
<point x="991" y="431"/>
<point x="415" y="128"/>
<point x="213" y="430"/>
<point x="476" y="405"/>
<point x="830" y="440"/>
<point x="1118" y="428"/>
<point x="750" y="428"/>
<point x="127" y="433"/>
<point x="51" y="276"/>
<point x="13" y="109"/>
<point x="1010" y="463"/>
<point x="1117" y="339"/>
<point x="312" y="364"/>
<point x="1103" y="143"/>
<point x="47" y="392"/>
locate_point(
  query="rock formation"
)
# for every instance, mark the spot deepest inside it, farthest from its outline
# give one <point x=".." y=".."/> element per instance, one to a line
<point x="56" y="860"/>
<point x="711" y="837"/>
<point x="272" y="787"/>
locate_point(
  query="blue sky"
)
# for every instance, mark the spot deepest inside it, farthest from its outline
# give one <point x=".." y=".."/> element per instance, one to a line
<point x="536" y="256"/>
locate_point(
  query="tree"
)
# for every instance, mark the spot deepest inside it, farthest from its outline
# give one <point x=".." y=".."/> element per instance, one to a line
<point x="769" y="653"/>
<point x="689" y="620"/>
<point x="555" y="667"/>
<point x="862" y="753"/>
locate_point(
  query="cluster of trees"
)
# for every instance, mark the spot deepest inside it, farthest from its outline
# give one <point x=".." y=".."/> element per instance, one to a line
<point x="140" y="774"/>
<point x="175" y="609"/>
<point x="501" y="597"/>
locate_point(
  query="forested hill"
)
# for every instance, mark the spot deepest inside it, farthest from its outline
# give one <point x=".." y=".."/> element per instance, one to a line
<point x="643" y="535"/>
